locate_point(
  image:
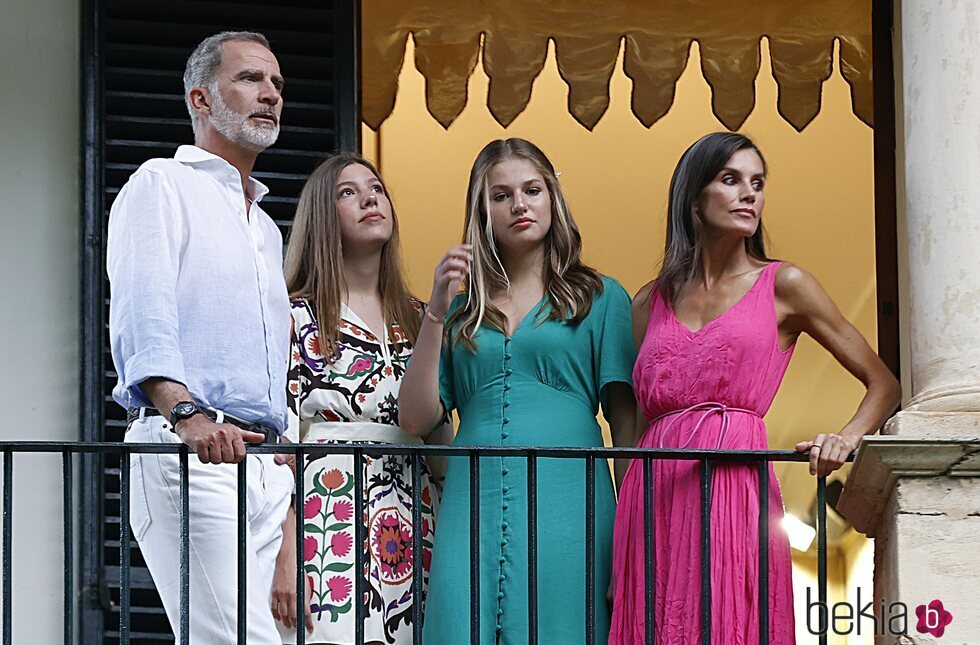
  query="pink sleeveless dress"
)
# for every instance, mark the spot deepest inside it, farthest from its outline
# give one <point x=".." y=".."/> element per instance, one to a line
<point x="708" y="390"/>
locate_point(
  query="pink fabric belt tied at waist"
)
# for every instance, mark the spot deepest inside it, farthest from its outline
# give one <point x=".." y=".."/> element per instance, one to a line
<point x="706" y="409"/>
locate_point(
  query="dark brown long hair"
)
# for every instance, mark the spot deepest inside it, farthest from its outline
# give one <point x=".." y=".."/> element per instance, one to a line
<point x="570" y="283"/>
<point x="697" y="167"/>
<point x="314" y="265"/>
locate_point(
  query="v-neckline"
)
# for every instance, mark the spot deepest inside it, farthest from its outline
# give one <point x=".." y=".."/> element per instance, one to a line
<point x="722" y="314"/>
<point x="534" y="308"/>
<point x="354" y="318"/>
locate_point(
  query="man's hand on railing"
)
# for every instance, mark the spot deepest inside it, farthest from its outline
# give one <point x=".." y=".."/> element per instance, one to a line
<point x="828" y="452"/>
<point x="215" y="443"/>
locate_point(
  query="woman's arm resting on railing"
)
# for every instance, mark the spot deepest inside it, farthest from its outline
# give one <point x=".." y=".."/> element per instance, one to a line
<point x="419" y="407"/>
<point x="284" y="578"/>
<point x="804" y="306"/>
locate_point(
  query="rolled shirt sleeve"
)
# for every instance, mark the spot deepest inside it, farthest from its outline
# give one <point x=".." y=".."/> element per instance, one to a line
<point x="143" y="262"/>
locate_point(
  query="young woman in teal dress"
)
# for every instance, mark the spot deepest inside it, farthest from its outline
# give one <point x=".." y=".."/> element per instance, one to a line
<point x="526" y="355"/>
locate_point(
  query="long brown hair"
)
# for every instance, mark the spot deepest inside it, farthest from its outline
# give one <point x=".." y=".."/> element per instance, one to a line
<point x="570" y="284"/>
<point x="697" y="167"/>
<point x="314" y="265"/>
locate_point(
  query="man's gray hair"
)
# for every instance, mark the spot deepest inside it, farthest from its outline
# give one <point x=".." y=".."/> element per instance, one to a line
<point x="202" y="66"/>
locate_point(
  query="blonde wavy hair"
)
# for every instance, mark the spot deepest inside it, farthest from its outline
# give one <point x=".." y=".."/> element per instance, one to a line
<point x="571" y="285"/>
<point x="314" y="264"/>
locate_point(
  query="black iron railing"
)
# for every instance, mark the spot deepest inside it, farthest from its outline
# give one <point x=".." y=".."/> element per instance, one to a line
<point x="358" y="452"/>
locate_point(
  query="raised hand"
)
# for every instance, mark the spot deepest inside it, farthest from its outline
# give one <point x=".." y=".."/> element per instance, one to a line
<point x="449" y="274"/>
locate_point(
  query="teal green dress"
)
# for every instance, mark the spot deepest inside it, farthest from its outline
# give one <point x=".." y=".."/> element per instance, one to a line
<point x="540" y="387"/>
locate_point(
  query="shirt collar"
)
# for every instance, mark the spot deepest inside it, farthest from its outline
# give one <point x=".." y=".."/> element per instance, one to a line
<point x="212" y="163"/>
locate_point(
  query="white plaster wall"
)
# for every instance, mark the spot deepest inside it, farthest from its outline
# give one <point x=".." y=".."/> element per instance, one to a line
<point x="39" y="284"/>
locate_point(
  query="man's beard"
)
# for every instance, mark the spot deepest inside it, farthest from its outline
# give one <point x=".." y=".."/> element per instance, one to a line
<point x="238" y="128"/>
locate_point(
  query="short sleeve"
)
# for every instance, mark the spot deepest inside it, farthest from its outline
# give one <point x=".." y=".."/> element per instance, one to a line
<point x="612" y="338"/>
<point x="297" y="381"/>
<point x="447" y="387"/>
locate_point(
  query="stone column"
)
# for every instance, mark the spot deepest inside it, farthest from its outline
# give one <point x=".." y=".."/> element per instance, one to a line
<point x="916" y="488"/>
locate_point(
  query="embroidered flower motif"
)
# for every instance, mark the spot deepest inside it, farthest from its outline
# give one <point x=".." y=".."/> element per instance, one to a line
<point x="361" y="398"/>
<point x="426" y="496"/>
<point x="310" y="548"/>
<point x="294" y="388"/>
<point x="312" y="507"/>
<point x="332" y="479"/>
<point x="388" y="371"/>
<point x="932" y="618"/>
<point x="359" y="366"/>
<point x="313" y="345"/>
<point x="343" y="510"/>
<point x="390" y="545"/>
<point x="341" y="543"/>
<point x="339" y="587"/>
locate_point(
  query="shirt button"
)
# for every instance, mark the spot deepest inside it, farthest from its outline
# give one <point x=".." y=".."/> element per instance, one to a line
<point x="508" y="371"/>
<point x="506" y="404"/>
<point x="507" y="357"/>
<point x="504" y="472"/>
<point x="505" y="488"/>
<point x="506" y="386"/>
<point x="506" y="420"/>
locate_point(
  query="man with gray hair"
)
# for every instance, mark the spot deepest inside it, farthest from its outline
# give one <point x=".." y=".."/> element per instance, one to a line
<point x="199" y="328"/>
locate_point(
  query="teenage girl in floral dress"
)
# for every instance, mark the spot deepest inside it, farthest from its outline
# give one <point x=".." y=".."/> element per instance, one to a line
<point x="353" y="327"/>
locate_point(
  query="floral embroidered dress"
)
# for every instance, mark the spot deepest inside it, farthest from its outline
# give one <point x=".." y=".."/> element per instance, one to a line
<point x="355" y="398"/>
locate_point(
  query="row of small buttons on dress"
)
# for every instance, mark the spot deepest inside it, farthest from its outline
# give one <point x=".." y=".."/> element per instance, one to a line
<point x="505" y="539"/>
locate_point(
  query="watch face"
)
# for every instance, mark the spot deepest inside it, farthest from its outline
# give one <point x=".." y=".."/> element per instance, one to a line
<point x="184" y="409"/>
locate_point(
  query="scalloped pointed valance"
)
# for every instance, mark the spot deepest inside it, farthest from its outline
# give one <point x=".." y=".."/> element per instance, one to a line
<point x="512" y="36"/>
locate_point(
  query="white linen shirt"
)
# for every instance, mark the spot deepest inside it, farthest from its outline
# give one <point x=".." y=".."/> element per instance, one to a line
<point x="197" y="290"/>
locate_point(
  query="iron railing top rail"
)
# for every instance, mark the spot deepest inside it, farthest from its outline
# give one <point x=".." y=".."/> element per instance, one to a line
<point x="570" y="452"/>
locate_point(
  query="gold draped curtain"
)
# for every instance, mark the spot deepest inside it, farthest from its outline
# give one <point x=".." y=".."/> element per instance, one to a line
<point x="513" y="35"/>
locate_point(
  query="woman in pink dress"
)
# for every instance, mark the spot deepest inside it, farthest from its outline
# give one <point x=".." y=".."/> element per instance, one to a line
<point x="715" y="333"/>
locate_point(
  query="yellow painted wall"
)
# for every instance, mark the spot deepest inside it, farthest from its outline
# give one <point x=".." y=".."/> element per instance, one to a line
<point x="819" y="211"/>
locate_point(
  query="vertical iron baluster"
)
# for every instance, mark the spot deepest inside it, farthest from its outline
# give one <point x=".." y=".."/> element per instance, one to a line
<point x="300" y="502"/>
<point x="185" y="553"/>
<point x="242" y="559"/>
<point x="649" y="557"/>
<point x="418" y="561"/>
<point x="124" y="533"/>
<point x="532" y="549"/>
<point x="764" y="552"/>
<point x="822" y="554"/>
<point x="590" y="549"/>
<point x="705" y="552"/>
<point x="8" y="525"/>
<point x="69" y="543"/>
<point x="474" y="548"/>
<point x="359" y="541"/>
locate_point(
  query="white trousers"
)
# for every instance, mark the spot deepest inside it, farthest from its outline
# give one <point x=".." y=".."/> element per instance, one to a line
<point x="213" y="535"/>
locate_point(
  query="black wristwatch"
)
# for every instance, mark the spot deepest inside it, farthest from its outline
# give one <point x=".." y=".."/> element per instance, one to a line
<point x="183" y="410"/>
